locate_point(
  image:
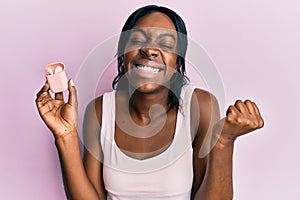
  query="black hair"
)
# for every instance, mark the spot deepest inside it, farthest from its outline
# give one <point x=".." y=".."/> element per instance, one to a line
<point x="179" y="79"/>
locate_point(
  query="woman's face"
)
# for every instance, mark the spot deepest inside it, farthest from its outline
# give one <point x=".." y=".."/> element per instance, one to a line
<point x="150" y="53"/>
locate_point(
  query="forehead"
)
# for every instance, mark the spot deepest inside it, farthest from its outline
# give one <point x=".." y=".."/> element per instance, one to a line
<point x="156" y="19"/>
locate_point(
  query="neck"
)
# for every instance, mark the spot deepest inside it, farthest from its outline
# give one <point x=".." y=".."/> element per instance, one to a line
<point x="140" y="103"/>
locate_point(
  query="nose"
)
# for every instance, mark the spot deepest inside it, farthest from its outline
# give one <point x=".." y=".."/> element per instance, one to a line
<point x="149" y="52"/>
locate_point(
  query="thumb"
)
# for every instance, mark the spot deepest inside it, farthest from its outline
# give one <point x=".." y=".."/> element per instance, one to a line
<point x="72" y="100"/>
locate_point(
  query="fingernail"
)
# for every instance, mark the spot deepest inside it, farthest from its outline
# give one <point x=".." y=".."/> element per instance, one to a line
<point x="72" y="82"/>
<point x="49" y="72"/>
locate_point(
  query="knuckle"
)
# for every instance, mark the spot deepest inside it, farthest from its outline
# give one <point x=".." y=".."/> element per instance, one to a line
<point x="248" y="122"/>
<point x="248" y="102"/>
<point x="239" y="120"/>
<point x="255" y="124"/>
<point x="230" y="107"/>
<point x="238" y="102"/>
<point x="229" y="110"/>
<point x="231" y="119"/>
<point x="261" y="123"/>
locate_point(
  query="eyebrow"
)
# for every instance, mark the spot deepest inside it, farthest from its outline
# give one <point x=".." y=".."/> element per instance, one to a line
<point x="160" y="36"/>
<point x="167" y="35"/>
<point x="139" y="30"/>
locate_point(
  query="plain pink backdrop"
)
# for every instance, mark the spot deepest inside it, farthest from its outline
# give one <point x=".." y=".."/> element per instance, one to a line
<point x="255" y="45"/>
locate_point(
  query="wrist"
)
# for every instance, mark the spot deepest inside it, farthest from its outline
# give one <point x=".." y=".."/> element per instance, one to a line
<point x="66" y="139"/>
<point x="224" y="143"/>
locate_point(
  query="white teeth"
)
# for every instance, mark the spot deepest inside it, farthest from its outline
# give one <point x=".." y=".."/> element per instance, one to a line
<point x="147" y="68"/>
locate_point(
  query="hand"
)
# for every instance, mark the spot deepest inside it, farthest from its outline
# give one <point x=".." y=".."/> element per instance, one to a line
<point x="241" y="118"/>
<point x="60" y="117"/>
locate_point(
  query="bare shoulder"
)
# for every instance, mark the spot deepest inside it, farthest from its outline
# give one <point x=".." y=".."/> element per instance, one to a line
<point x="204" y="112"/>
<point x="94" y="109"/>
<point x="204" y="104"/>
<point x="205" y="98"/>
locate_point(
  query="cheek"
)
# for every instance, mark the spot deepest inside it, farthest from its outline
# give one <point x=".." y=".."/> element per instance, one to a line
<point x="127" y="58"/>
<point x="170" y="60"/>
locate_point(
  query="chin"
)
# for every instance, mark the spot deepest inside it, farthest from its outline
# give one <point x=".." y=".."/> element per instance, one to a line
<point x="148" y="85"/>
<point x="149" y="88"/>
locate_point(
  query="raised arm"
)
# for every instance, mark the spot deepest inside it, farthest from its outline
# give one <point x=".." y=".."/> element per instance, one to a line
<point x="61" y="119"/>
<point x="241" y="118"/>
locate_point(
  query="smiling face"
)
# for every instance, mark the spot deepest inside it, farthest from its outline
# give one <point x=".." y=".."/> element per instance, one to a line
<point x="150" y="53"/>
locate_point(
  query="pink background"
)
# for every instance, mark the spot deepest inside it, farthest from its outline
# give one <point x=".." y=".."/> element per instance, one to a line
<point x="254" y="43"/>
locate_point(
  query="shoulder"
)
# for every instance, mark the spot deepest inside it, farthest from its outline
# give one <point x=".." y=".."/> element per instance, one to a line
<point x="95" y="107"/>
<point x="94" y="110"/>
<point x="204" y="102"/>
<point x="204" y="98"/>
<point x="204" y="111"/>
<point x="201" y="96"/>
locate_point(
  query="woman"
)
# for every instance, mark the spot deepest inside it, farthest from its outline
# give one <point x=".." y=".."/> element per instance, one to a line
<point x="154" y="126"/>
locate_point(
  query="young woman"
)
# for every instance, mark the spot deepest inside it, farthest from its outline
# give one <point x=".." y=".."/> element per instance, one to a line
<point x="151" y="137"/>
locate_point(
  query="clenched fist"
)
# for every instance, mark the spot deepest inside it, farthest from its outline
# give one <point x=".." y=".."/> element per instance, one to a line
<point x="241" y="118"/>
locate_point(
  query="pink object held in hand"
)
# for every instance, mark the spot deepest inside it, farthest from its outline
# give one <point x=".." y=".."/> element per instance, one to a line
<point x="56" y="77"/>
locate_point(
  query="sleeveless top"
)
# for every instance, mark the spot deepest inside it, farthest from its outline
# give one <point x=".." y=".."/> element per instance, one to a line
<point x="168" y="175"/>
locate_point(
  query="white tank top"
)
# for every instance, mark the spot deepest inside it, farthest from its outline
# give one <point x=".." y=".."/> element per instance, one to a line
<point x="168" y="175"/>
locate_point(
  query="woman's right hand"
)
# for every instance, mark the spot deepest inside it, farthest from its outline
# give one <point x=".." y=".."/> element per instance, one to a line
<point x="60" y="117"/>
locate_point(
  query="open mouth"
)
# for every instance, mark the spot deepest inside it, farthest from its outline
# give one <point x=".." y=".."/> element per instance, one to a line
<point x="147" y="69"/>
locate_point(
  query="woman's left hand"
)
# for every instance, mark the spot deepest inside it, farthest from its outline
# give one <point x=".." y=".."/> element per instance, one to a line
<point x="241" y="118"/>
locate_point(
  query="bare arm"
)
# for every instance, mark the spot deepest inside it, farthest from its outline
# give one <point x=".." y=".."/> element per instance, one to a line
<point x="78" y="184"/>
<point x="93" y="156"/>
<point x="205" y="113"/>
<point x="241" y="118"/>
<point x="61" y="119"/>
<point x="217" y="183"/>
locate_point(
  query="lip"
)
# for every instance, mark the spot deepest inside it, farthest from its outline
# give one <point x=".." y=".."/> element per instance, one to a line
<point x="137" y="73"/>
<point x="149" y="63"/>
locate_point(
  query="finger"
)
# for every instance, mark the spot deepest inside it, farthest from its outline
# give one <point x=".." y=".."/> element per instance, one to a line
<point x="72" y="94"/>
<point x="241" y="107"/>
<point x="44" y="104"/>
<point x="44" y="91"/>
<point x="250" y="106"/>
<point x="255" y="108"/>
<point x="232" y="111"/>
<point x="255" y="119"/>
<point x="59" y="96"/>
<point x="257" y="112"/>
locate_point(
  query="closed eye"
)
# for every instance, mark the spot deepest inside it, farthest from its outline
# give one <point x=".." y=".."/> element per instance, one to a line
<point x="137" y="42"/>
<point x="166" y="46"/>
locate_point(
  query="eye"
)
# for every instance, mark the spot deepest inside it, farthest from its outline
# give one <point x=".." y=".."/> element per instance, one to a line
<point x="137" y="41"/>
<point x="166" y="46"/>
